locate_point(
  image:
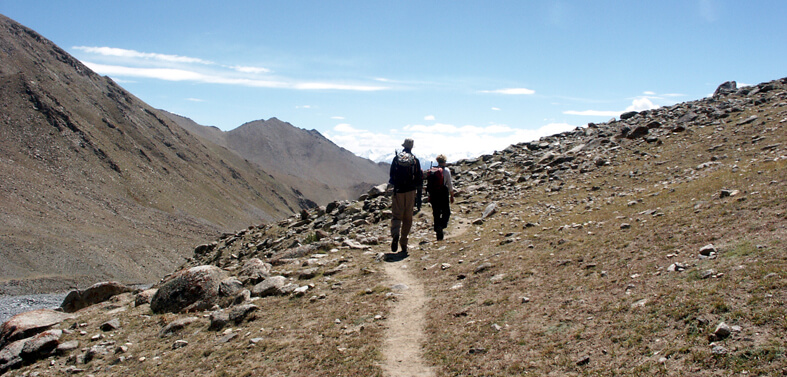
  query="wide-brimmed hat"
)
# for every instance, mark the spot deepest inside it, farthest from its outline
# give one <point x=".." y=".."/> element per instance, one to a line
<point x="408" y="143"/>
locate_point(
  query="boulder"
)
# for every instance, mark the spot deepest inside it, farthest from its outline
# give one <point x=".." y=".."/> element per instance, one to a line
<point x="628" y="115"/>
<point x="11" y="356"/>
<point x="22" y="351"/>
<point x="95" y="294"/>
<point x="240" y="312"/>
<point x="25" y="325"/>
<point x="254" y="271"/>
<point x="196" y="288"/>
<point x="230" y="287"/>
<point x="41" y="345"/>
<point x="272" y="286"/>
<point x="144" y="297"/>
<point x="726" y="88"/>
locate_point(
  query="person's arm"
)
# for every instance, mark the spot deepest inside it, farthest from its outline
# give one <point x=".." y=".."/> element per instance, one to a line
<point x="449" y="184"/>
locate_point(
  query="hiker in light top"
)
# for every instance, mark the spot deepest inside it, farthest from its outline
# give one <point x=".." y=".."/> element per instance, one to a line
<point x="441" y="194"/>
<point x="407" y="180"/>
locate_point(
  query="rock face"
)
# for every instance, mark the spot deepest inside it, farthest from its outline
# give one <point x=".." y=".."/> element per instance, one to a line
<point x="196" y="288"/>
<point x="97" y="293"/>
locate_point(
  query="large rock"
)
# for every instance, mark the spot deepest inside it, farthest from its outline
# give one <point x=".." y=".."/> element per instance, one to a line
<point x="254" y="271"/>
<point x="23" y="351"/>
<point x="272" y="286"/>
<point x="726" y="88"/>
<point x="11" y="356"/>
<point x="25" y="325"/>
<point x="196" y="288"/>
<point x="41" y="345"/>
<point x="95" y="294"/>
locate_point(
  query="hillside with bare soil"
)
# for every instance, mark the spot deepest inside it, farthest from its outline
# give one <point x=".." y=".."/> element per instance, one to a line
<point x="98" y="185"/>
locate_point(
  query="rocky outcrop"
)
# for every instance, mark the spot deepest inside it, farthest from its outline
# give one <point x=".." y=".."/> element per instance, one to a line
<point x="28" y="337"/>
<point x="95" y="294"/>
<point x="25" y="325"/>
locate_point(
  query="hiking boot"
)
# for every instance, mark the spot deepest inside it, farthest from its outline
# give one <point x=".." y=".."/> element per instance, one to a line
<point x="404" y="251"/>
<point x="395" y="243"/>
<point x="439" y="234"/>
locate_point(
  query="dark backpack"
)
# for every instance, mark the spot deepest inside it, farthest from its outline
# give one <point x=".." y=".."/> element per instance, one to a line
<point x="405" y="169"/>
<point x="434" y="180"/>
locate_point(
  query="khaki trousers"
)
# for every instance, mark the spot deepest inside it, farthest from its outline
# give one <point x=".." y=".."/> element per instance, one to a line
<point x="402" y="210"/>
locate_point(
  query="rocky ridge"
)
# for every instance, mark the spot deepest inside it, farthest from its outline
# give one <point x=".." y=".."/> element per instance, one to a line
<point x="321" y="263"/>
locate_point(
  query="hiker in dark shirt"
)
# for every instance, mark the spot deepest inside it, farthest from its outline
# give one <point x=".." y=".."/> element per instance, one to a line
<point x="441" y="195"/>
<point x="406" y="177"/>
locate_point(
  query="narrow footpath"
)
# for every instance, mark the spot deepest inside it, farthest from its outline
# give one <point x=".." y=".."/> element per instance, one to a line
<point x="405" y="336"/>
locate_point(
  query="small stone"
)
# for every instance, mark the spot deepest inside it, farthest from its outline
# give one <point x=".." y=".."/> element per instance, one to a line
<point x="227" y="338"/>
<point x="483" y="267"/>
<point x="496" y="327"/>
<point x="625" y="226"/>
<point x="110" y="325"/>
<point x="719" y="350"/>
<point x="707" y="250"/>
<point x="722" y="331"/>
<point x="445" y="266"/>
<point x="583" y="361"/>
<point x="180" y="343"/>
<point x="68" y="346"/>
<point x="525" y="300"/>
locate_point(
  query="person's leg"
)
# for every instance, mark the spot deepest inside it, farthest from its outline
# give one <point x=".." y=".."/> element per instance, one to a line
<point x="397" y="212"/>
<point x="407" y="217"/>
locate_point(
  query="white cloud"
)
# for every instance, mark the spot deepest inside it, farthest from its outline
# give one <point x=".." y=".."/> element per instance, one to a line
<point x="456" y="142"/>
<point x="337" y="118"/>
<point x="195" y="100"/>
<point x="250" y="69"/>
<point x="641" y="104"/>
<point x="429" y="117"/>
<point x="303" y="107"/>
<point x="649" y="93"/>
<point x="511" y="91"/>
<point x="496" y="108"/>
<point x="637" y="104"/>
<point x="123" y="53"/>
<point x="130" y="63"/>
<point x="174" y="74"/>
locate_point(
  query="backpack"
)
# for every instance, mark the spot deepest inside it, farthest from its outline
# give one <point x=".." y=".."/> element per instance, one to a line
<point x="405" y="169"/>
<point x="434" y="180"/>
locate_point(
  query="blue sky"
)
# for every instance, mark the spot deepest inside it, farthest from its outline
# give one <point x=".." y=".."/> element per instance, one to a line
<point x="462" y="78"/>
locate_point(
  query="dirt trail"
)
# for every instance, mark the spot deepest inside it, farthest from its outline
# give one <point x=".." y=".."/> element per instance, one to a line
<point x="405" y="334"/>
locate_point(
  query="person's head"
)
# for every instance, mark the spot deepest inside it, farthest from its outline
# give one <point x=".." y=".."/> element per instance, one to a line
<point x="441" y="160"/>
<point x="408" y="144"/>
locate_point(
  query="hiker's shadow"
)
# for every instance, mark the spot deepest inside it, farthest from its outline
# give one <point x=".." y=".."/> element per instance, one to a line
<point x="394" y="257"/>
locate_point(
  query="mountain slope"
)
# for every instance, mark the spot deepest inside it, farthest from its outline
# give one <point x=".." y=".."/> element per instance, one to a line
<point x="305" y="160"/>
<point x="99" y="185"/>
<point x="650" y="245"/>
